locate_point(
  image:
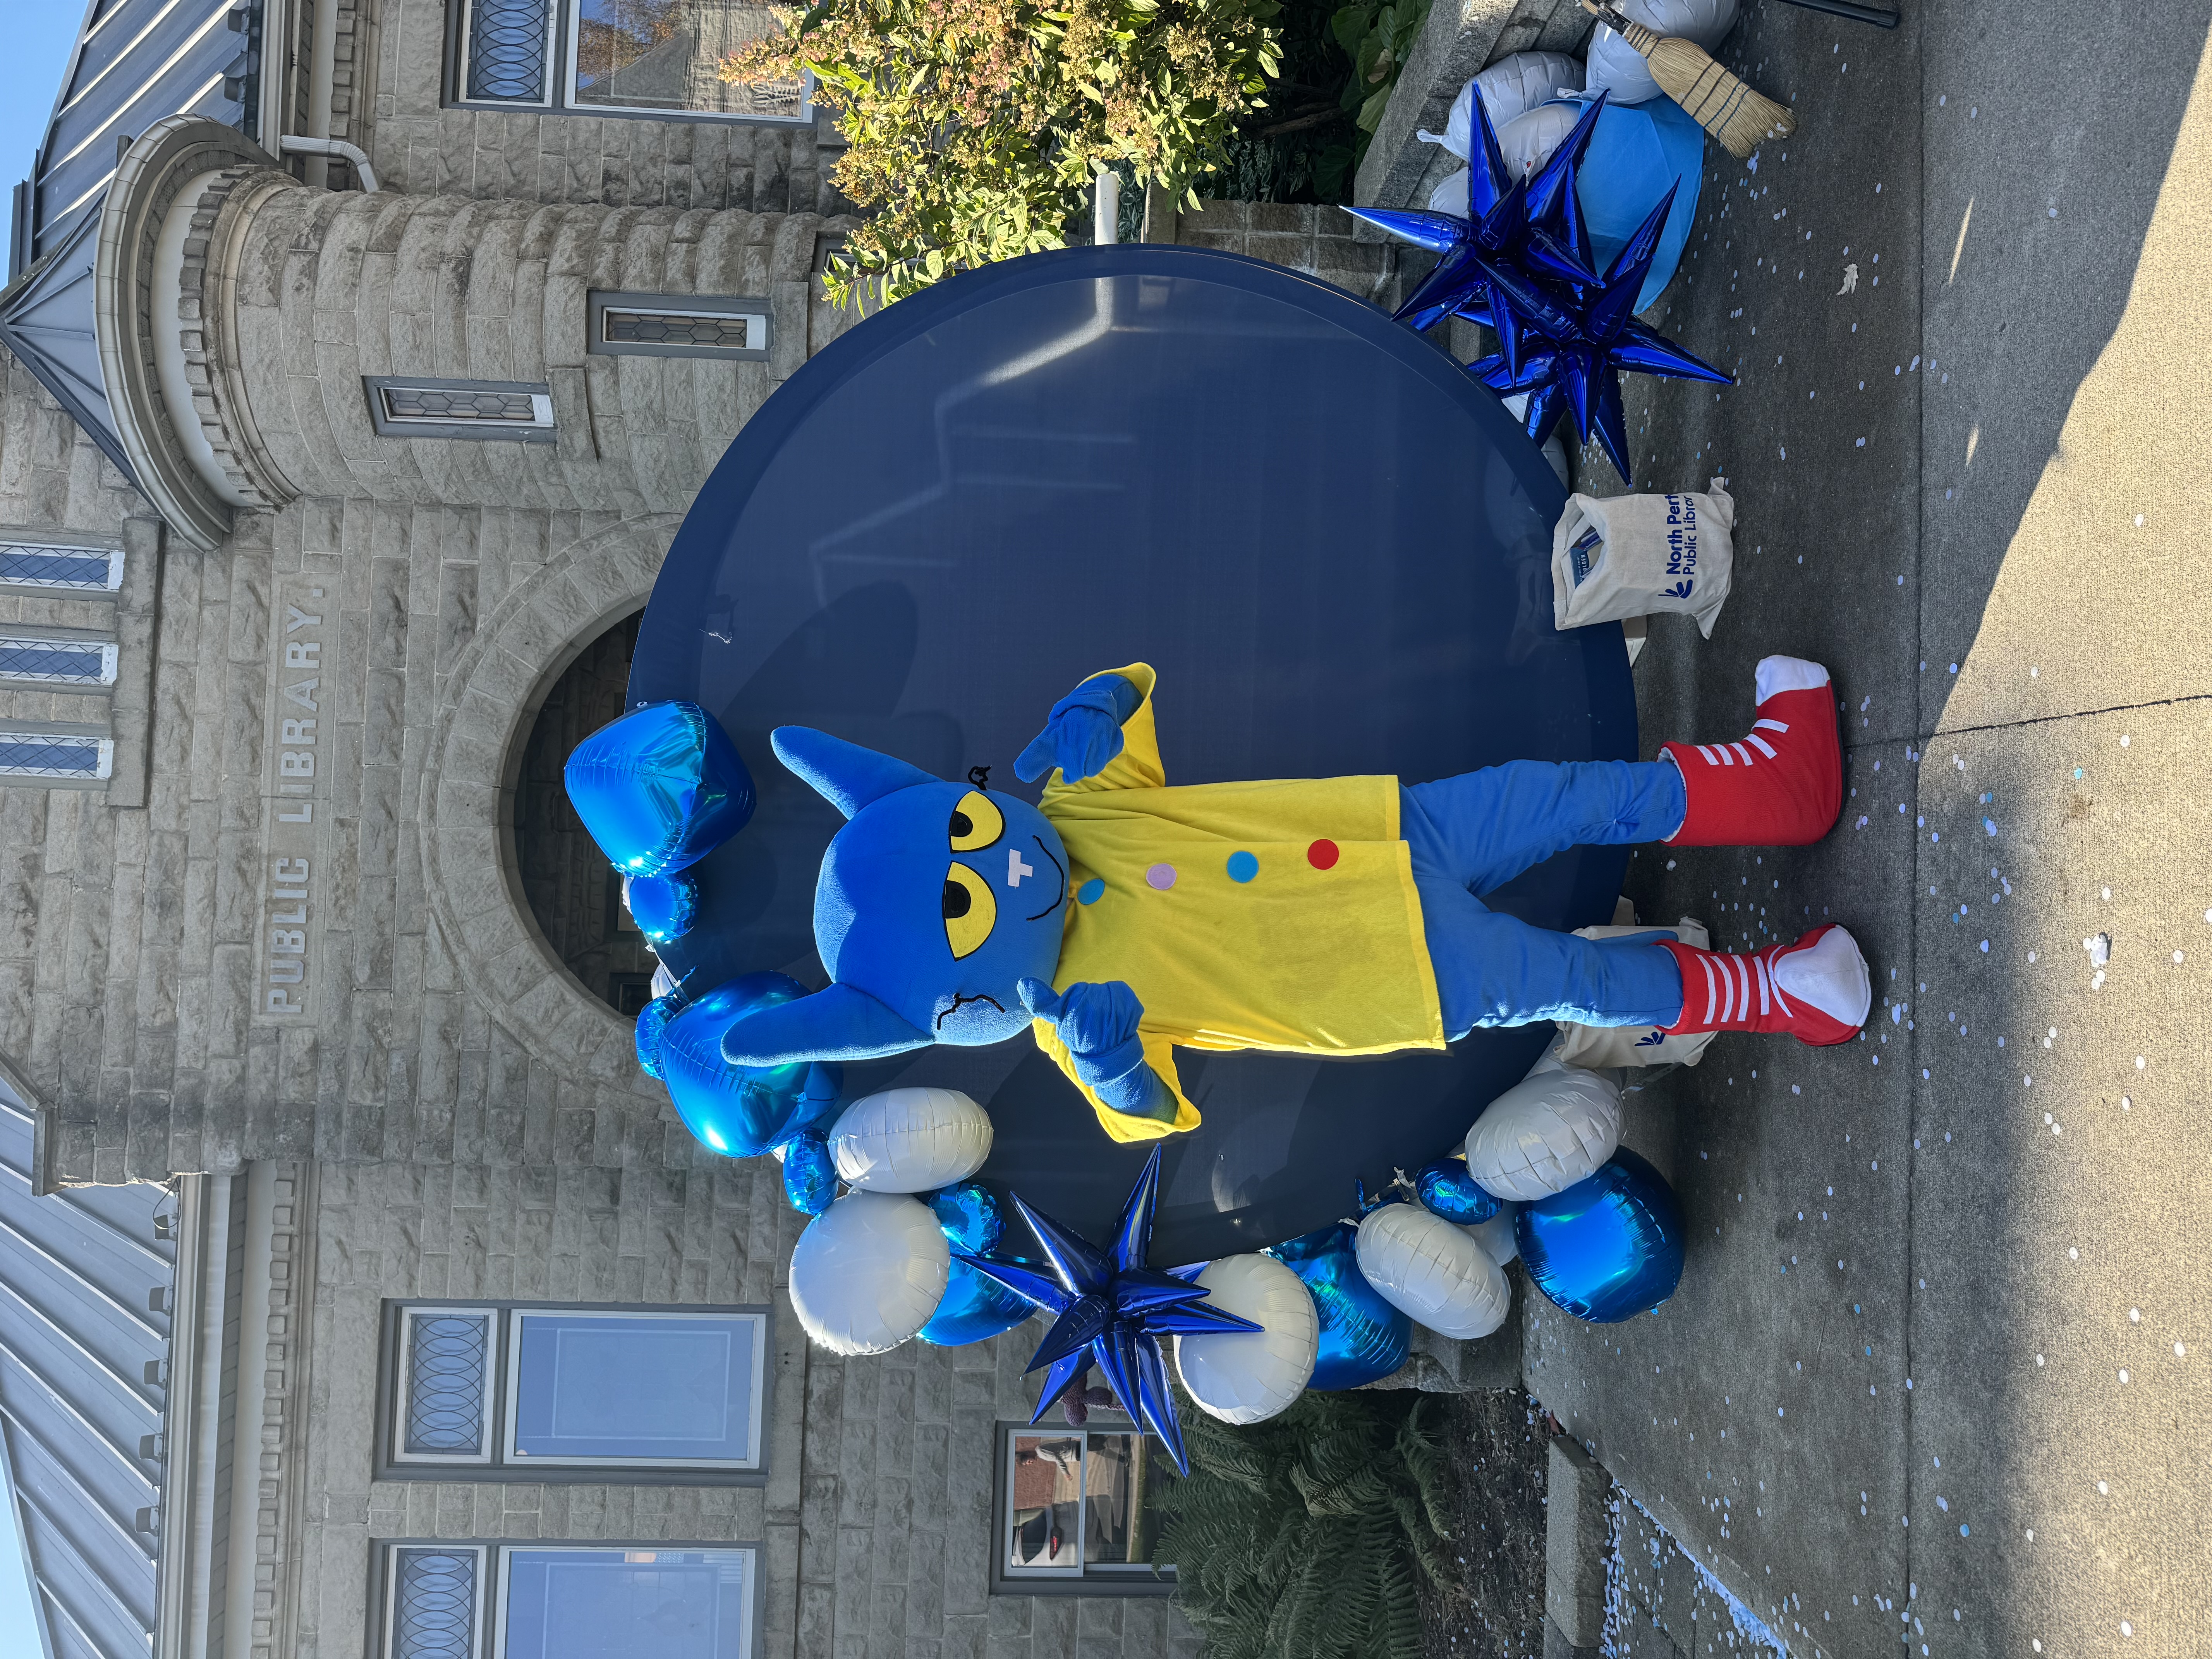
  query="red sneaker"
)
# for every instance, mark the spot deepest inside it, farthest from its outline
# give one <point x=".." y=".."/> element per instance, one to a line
<point x="1818" y="990"/>
<point x="1782" y="785"/>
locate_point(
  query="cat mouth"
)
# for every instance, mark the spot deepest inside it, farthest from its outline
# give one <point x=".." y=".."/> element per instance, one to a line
<point x="1057" y="871"/>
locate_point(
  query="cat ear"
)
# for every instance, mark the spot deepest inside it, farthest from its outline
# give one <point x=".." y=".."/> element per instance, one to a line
<point x="841" y="1022"/>
<point x="845" y="774"/>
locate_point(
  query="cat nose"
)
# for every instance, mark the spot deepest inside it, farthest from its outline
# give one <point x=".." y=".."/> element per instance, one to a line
<point x="1015" y="868"/>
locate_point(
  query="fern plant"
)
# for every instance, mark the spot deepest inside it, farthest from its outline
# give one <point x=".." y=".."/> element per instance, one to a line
<point x="1299" y="1538"/>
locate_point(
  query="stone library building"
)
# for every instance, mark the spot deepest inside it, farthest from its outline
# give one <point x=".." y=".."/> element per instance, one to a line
<point x="361" y="359"/>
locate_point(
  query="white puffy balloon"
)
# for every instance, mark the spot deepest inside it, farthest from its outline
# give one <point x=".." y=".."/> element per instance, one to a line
<point x="1432" y="1271"/>
<point x="1496" y="1235"/>
<point x="910" y="1141"/>
<point x="1526" y="142"/>
<point x="1247" y="1377"/>
<point x="1622" y="70"/>
<point x="1546" y="1133"/>
<point x="868" y="1272"/>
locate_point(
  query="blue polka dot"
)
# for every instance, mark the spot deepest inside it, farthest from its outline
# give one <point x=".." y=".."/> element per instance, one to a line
<point x="1243" y="866"/>
<point x="1090" y="892"/>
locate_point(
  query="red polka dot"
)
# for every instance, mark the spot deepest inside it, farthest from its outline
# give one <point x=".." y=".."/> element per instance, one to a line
<point x="1323" y="855"/>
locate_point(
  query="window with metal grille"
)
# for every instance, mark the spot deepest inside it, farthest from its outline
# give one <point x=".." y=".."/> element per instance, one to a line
<point x="575" y="1393"/>
<point x="433" y="1600"/>
<point x="513" y="1600"/>
<point x="83" y="757"/>
<point x="55" y="660"/>
<point x="82" y="569"/>
<point x="507" y="50"/>
<point x="658" y="57"/>
<point x="444" y="1381"/>
<point x="678" y="326"/>
<point x="516" y="410"/>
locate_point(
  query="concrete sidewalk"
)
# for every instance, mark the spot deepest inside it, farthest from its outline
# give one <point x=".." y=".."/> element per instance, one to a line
<point x="1939" y="1371"/>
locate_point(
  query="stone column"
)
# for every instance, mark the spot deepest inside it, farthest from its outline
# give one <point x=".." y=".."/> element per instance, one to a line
<point x="285" y="297"/>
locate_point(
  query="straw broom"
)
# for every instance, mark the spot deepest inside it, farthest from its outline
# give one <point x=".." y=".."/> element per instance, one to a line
<point x="1741" y="118"/>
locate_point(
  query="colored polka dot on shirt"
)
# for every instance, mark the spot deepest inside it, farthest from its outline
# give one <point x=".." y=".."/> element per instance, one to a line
<point x="1243" y="866"/>
<point x="1323" y="855"/>
<point x="1090" y="892"/>
<point x="1160" y="877"/>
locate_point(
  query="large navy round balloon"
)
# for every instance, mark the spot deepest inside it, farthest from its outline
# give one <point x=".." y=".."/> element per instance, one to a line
<point x="1333" y="546"/>
<point x="1608" y="1248"/>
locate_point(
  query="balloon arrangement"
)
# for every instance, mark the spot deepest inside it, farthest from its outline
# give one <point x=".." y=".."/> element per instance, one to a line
<point x="904" y="1244"/>
<point x="1572" y="214"/>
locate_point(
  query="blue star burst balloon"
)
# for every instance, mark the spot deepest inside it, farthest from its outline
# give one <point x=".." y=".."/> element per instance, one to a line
<point x="1520" y="263"/>
<point x="1112" y="1310"/>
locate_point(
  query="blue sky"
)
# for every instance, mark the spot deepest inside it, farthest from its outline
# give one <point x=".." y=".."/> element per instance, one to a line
<point x="39" y="35"/>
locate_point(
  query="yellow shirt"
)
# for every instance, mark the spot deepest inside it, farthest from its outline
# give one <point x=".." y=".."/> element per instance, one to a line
<point x="1277" y="915"/>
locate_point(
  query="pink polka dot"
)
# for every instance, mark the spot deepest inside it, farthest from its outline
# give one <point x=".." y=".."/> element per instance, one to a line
<point x="1160" y="875"/>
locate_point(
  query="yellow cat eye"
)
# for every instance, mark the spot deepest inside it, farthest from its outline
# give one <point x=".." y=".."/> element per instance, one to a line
<point x="976" y="823"/>
<point x="970" y="911"/>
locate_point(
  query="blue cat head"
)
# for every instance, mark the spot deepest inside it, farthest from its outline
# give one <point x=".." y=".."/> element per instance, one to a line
<point x="935" y="900"/>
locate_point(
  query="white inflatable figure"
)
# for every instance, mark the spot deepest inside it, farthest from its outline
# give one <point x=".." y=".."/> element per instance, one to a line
<point x="910" y="1141"/>
<point x="1247" y="1377"/>
<point x="1496" y="1235"/>
<point x="1509" y="86"/>
<point x="868" y="1273"/>
<point x="1620" y="69"/>
<point x="1525" y="144"/>
<point x="1432" y="1271"/>
<point x="1546" y="1133"/>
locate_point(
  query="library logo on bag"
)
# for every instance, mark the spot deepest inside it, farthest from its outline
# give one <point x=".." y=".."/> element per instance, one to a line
<point x="1681" y="543"/>
<point x="1679" y="590"/>
<point x="1653" y="1041"/>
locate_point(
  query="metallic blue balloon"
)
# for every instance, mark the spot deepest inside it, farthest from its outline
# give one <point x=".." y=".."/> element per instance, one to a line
<point x="977" y="1308"/>
<point x="968" y="1215"/>
<point x="1447" y="1189"/>
<point x="1362" y="1336"/>
<point x="659" y="788"/>
<point x="739" y="1110"/>
<point x="1608" y="1248"/>
<point x="651" y="1024"/>
<point x="810" y="1174"/>
<point x="663" y="907"/>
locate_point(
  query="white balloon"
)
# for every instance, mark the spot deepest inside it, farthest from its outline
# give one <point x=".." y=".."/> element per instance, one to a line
<point x="1247" y="1377"/>
<point x="868" y="1272"/>
<point x="1432" y="1271"/>
<point x="1621" y="69"/>
<point x="910" y="1141"/>
<point x="1546" y="1133"/>
<point x="1526" y="142"/>
<point x="1496" y="1235"/>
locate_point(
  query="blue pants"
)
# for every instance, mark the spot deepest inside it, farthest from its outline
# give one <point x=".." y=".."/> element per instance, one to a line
<point x="1472" y="834"/>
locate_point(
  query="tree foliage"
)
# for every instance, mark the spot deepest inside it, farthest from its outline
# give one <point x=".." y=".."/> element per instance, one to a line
<point x="975" y="127"/>
<point x="1299" y="1538"/>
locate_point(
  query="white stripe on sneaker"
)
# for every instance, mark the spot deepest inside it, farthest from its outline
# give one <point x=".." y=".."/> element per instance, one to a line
<point x="1761" y="744"/>
<point x="1706" y="962"/>
<point x="1760" y="963"/>
<point x="1770" y="725"/>
<point x="1727" y="992"/>
<point x="1741" y="753"/>
<point x="1711" y="760"/>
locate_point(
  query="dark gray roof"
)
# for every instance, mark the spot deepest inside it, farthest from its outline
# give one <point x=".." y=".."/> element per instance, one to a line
<point x="46" y="321"/>
<point x="81" y="1272"/>
<point x="135" y="62"/>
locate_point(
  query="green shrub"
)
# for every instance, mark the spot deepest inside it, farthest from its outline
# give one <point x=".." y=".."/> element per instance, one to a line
<point x="1299" y="1538"/>
<point x="975" y="127"/>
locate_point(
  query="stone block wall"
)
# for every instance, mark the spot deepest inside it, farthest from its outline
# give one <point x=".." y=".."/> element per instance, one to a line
<point x="876" y="1514"/>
